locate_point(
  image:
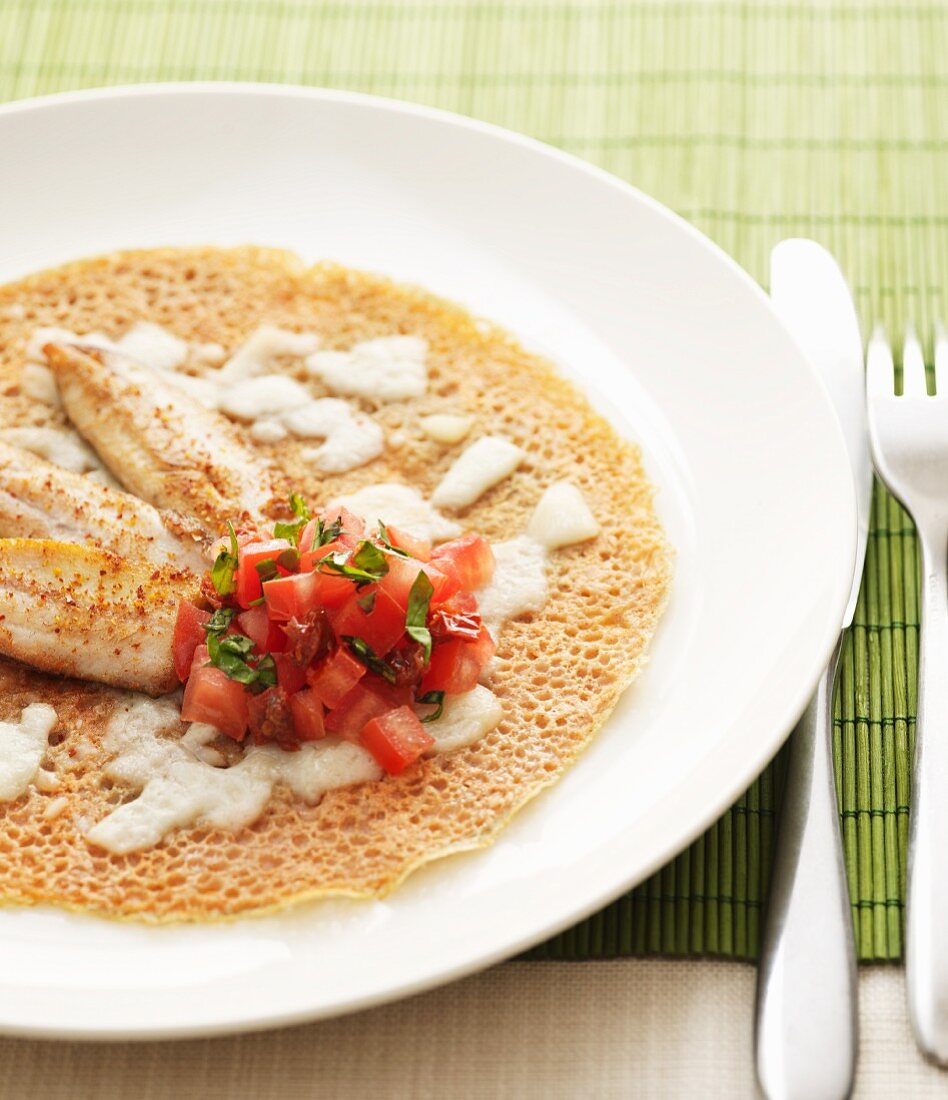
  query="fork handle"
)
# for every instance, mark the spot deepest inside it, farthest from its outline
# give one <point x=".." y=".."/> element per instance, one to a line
<point x="926" y="914"/>
<point x="806" y="981"/>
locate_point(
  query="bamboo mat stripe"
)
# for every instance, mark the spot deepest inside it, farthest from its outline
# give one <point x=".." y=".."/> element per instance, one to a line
<point x="756" y="120"/>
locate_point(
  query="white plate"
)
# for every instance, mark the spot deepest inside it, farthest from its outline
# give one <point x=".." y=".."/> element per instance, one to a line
<point x="671" y="339"/>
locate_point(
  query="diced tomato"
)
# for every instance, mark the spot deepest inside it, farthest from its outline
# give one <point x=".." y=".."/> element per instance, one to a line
<point x="290" y="676"/>
<point x="249" y="557"/>
<point x="418" y="548"/>
<point x="291" y="597"/>
<point x="269" y="718"/>
<point x="307" y="712"/>
<point x="352" y="530"/>
<point x="258" y="627"/>
<point x="188" y="635"/>
<point x="380" y="628"/>
<point x="458" y="617"/>
<point x="338" y="674"/>
<point x="456" y="664"/>
<point x="402" y="573"/>
<point x="211" y="697"/>
<point x="364" y="702"/>
<point x="396" y="739"/>
<point x="472" y="558"/>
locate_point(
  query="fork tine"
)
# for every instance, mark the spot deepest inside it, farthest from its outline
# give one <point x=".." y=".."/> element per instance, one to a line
<point x="941" y="359"/>
<point x="880" y="370"/>
<point x="913" y="365"/>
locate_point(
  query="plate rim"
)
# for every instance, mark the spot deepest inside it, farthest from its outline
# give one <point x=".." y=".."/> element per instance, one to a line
<point x="724" y="797"/>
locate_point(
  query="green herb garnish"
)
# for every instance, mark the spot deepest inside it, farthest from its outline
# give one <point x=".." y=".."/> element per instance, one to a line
<point x="436" y="699"/>
<point x="387" y="542"/>
<point x="218" y="623"/>
<point x="266" y="569"/>
<point x="367" y="602"/>
<point x="364" y="566"/>
<point x="291" y="530"/>
<point x="225" y="566"/>
<point x="230" y="653"/>
<point x="324" y="534"/>
<point x="363" y="652"/>
<point x="417" y="614"/>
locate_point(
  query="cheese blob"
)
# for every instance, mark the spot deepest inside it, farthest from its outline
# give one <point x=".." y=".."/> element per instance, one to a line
<point x="22" y="748"/>
<point x="480" y="467"/>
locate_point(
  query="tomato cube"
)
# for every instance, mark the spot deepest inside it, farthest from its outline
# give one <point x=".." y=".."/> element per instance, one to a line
<point x="418" y="548"/>
<point x="396" y="739"/>
<point x="188" y="635"/>
<point x="457" y="663"/>
<point x="265" y="634"/>
<point x="364" y="702"/>
<point x="290" y="597"/>
<point x="290" y="675"/>
<point x="248" y="558"/>
<point x="402" y="573"/>
<point x="380" y="627"/>
<point x="338" y="674"/>
<point x="211" y="697"/>
<point x="307" y="712"/>
<point x="351" y="531"/>
<point x="471" y="557"/>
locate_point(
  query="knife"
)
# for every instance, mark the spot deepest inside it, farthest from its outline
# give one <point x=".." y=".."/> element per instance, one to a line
<point x="806" y="1026"/>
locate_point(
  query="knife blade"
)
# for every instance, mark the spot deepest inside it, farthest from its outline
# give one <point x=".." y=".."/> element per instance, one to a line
<point x="806" y="1022"/>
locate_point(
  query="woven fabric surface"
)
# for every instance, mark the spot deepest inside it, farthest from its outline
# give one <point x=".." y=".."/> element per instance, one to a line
<point x="756" y="121"/>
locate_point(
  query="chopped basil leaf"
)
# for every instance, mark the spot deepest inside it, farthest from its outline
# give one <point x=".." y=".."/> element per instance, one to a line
<point x="364" y="566"/>
<point x="225" y="566"/>
<point x="293" y="529"/>
<point x="387" y="542"/>
<point x="436" y="699"/>
<point x="257" y="602"/>
<point x="266" y="569"/>
<point x="323" y="535"/>
<point x="415" y="617"/>
<point x="367" y="602"/>
<point x="289" y="559"/>
<point x="363" y="652"/>
<point x="218" y="623"/>
<point x="230" y="653"/>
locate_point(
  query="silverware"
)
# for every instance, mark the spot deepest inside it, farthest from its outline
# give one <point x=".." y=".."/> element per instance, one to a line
<point x="910" y="448"/>
<point x="806" y="1026"/>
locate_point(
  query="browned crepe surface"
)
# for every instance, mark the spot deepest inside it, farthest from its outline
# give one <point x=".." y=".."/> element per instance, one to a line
<point x="558" y="673"/>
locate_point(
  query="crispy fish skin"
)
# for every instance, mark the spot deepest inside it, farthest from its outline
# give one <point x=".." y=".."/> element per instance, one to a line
<point x="160" y="443"/>
<point x="41" y="501"/>
<point x="84" y="612"/>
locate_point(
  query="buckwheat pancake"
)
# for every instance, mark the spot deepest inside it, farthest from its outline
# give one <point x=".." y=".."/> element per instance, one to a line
<point x="558" y="672"/>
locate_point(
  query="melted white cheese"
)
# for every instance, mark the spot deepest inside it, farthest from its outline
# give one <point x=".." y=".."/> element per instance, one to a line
<point x="389" y="368"/>
<point x="351" y="438"/>
<point x="178" y="789"/>
<point x="465" y="718"/>
<point x="154" y="346"/>
<point x="22" y="748"/>
<point x="263" y="396"/>
<point x="402" y="507"/>
<point x="61" y="446"/>
<point x="39" y="382"/>
<point x="446" y="428"/>
<point x="55" y="807"/>
<point x="261" y="350"/>
<point x="267" y="431"/>
<point x="519" y="582"/>
<point x="40" y="337"/>
<point x="562" y="518"/>
<point x="478" y="468"/>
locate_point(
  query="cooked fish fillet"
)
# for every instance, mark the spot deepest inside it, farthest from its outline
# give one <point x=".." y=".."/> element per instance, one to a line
<point x="83" y="612"/>
<point x="159" y="442"/>
<point x="41" y="501"/>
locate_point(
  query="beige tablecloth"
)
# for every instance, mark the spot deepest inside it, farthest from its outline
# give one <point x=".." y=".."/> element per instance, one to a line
<point x="649" y="1028"/>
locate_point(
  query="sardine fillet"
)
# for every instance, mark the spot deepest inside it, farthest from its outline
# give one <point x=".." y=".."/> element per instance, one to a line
<point x="83" y="612"/>
<point x="159" y="442"/>
<point x="41" y="501"/>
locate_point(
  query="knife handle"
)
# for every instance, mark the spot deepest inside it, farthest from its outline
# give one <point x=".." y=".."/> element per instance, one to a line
<point x="806" y="981"/>
<point x="926" y="912"/>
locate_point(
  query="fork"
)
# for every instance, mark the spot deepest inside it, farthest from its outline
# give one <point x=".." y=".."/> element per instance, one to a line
<point x="909" y="439"/>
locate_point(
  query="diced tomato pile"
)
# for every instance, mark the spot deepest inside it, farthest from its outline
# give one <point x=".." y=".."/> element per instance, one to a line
<point x="325" y="629"/>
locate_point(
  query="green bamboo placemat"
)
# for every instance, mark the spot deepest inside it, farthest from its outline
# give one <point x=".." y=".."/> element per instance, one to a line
<point x="756" y="120"/>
